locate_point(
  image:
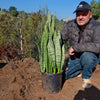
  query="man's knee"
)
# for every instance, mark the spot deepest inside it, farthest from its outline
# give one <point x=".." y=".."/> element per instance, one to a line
<point x="88" y="58"/>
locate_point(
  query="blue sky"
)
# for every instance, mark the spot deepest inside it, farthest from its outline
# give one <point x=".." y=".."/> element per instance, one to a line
<point x="62" y="8"/>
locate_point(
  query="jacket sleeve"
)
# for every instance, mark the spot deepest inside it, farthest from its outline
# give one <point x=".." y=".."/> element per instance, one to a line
<point x="93" y="46"/>
<point x="64" y="34"/>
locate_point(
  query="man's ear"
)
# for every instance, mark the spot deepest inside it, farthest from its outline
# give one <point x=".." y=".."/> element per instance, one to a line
<point x="90" y="14"/>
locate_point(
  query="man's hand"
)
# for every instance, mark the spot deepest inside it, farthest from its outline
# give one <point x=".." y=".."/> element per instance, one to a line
<point x="71" y="51"/>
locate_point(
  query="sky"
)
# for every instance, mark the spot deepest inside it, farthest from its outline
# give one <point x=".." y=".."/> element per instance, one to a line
<point x="62" y="8"/>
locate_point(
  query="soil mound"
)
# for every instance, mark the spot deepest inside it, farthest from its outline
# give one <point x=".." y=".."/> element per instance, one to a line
<point x="21" y="80"/>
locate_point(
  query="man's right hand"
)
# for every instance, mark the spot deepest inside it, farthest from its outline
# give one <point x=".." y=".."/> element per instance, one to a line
<point x="71" y="51"/>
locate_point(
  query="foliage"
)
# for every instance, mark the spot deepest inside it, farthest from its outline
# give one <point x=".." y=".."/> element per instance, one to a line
<point x="7" y="29"/>
<point x="36" y="19"/>
<point x="8" y="53"/>
<point x="51" y="52"/>
<point x="24" y="30"/>
<point x="59" y="24"/>
<point x="12" y="8"/>
<point x="13" y="11"/>
<point x="96" y="9"/>
<point x="4" y="10"/>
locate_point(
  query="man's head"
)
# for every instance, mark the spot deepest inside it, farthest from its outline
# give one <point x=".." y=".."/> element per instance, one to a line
<point x="83" y="13"/>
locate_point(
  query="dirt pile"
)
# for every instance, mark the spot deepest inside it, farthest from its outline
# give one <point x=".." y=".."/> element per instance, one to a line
<point x="21" y="80"/>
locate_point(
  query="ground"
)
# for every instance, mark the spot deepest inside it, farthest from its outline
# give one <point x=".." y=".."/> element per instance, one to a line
<point x="22" y="80"/>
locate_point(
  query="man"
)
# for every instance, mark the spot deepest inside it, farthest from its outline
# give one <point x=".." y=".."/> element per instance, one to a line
<point x="83" y="34"/>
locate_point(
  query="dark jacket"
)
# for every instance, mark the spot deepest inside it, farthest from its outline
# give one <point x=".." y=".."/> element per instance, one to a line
<point x="88" y="40"/>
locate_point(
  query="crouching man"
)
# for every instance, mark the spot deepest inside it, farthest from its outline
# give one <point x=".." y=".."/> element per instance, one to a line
<point x="83" y="34"/>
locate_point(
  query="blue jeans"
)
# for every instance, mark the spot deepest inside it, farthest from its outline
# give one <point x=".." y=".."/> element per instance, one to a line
<point x="85" y="65"/>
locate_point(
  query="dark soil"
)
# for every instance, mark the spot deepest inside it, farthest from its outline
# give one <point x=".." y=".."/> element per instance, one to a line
<point x="22" y="80"/>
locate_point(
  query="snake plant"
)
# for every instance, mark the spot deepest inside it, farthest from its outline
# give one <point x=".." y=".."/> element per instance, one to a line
<point x="51" y="54"/>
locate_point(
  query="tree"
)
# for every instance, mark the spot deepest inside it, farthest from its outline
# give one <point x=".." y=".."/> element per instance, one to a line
<point x="12" y="8"/>
<point x="95" y="9"/>
<point x="13" y="11"/>
<point x="4" y="10"/>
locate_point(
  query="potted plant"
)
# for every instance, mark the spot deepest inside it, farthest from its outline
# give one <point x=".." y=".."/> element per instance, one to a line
<point x="51" y="56"/>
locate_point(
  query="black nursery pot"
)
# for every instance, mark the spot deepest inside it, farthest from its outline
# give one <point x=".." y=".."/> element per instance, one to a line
<point x="51" y="83"/>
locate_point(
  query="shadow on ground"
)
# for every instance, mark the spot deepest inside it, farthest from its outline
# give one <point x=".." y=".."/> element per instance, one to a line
<point x="2" y="64"/>
<point x="88" y="94"/>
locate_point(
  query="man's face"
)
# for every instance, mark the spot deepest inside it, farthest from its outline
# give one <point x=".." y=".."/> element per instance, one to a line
<point x="83" y="18"/>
